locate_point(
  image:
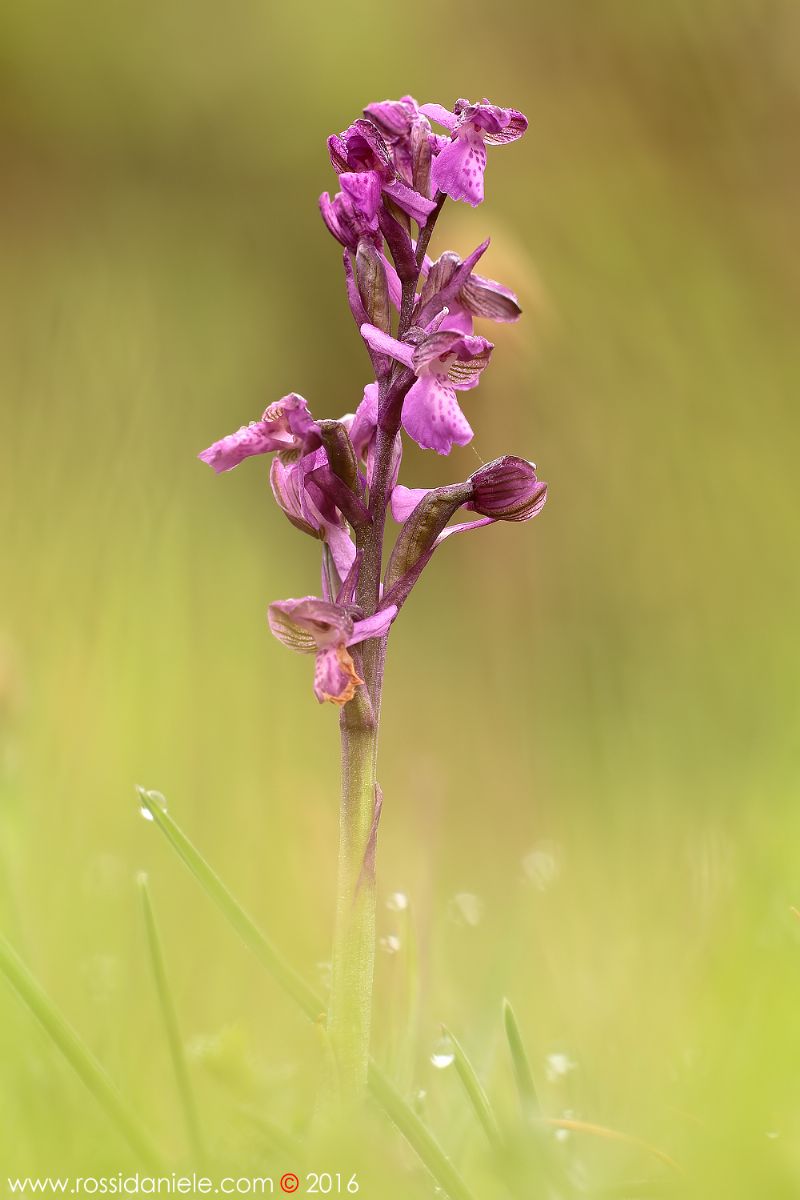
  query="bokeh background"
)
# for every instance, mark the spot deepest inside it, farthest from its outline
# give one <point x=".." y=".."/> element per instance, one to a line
<point x="590" y="748"/>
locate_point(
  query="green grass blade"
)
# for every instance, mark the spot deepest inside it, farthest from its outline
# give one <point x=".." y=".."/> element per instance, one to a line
<point x="245" y="926"/>
<point x="399" y="1112"/>
<point x="171" y="1027"/>
<point x="522" y="1070"/>
<point x="77" y="1054"/>
<point x="475" y="1092"/>
<point x="417" y="1134"/>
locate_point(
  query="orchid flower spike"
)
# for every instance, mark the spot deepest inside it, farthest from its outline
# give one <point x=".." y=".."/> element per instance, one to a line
<point x="335" y="479"/>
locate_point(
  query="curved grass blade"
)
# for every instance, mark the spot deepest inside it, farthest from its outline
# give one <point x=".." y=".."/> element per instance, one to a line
<point x="77" y="1054"/>
<point x="406" y="1120"/>
<point x="613" y="1135"/>
<point x="170" y="1018"/>
<point x="523" y="1077"/>
<point x="475" y="1092"/>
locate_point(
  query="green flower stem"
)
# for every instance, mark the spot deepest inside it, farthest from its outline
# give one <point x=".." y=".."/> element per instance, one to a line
<point x="349" y="1012"/>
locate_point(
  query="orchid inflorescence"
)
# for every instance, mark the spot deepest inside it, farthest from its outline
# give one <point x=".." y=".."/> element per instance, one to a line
<point x="335" y="479"/>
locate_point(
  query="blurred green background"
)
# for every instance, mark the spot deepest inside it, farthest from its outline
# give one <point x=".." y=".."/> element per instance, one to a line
<point x="590" y="745"/>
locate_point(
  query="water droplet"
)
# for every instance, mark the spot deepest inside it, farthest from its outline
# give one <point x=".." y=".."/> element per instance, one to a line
<point x="557" y="1066"/>
<point x="390" y="944"/>
<point x="561" y="1135"/>
<point x="443" y="1055"/>
<point x="542" y="865"/>
<point x="466" y="908"/>
<point x="397" y="902"/>
<point x="772" y="1134"/>
<point x="149" y="800"/>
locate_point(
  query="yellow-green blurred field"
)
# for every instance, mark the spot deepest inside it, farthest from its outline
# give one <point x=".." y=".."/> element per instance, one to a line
<point x="590" y="723"/>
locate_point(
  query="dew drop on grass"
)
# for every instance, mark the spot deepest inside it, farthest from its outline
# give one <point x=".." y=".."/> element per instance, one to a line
<point x="149" y="798"/>
<point x="397" y="902"/>
<point x="443" y="1055"/>
<point x="390" y="943"/>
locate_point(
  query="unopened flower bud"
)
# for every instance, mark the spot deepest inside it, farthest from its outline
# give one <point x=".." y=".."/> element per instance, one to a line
<point x="507" y="489"/>
<point x="418" y="537"/>
<point x="339" y="448"/>
<point x="421" y="157"/>
<point x="372" y="285"/>
<point x="440" y="274"/>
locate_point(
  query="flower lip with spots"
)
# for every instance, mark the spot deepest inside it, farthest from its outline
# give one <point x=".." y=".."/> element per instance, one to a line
<point x="444" y="361"/>
<point x="459" y="167"/>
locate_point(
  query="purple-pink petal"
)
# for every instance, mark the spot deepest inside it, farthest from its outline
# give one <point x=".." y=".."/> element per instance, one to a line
<point x="364" y="189"/>
<point x="341" y="546"/>
<point x="440" y="114"/>
<point x="363" y="425"/>
<point x="404" y="500"/>
<point x="394" y="118"/>
<point x="228" y="452"/>
<point x="464" y="527"/>
<point x="432" y="417"/>
<point x="412" y="202"/>
<point x="373" y="627"/>
<point x="384" y="343"/>
<point x="285" y="425"/>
